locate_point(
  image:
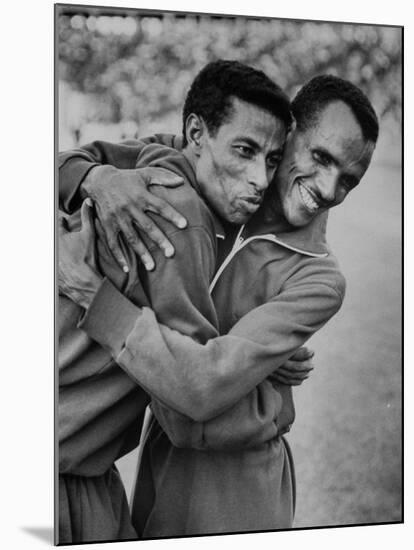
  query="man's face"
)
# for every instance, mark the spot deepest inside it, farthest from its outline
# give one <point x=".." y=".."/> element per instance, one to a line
<point x="236" y="165"/>
<point x="322" y="164"/>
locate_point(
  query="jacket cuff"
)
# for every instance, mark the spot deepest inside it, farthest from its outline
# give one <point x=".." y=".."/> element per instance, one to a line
<point x="110" y="318"/>
<point x="72" y="172"/>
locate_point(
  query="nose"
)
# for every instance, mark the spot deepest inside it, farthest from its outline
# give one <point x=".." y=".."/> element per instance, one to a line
<point x="326" y="185"/>
<point x="259" y="175"/>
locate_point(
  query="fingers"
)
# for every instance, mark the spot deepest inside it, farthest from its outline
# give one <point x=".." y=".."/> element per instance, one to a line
<point x="288" y="380"/>
<point x="116" y="229"/>
<point x="109" y="226"/>
<point x="292" y="374"/>
<point x="147" y="226"/>
<point x="166" y="178"/>
<point x="287" y="376"/>
<point x="114" y="246"/>
<point x="298" y="366"/>
<point x="302" y="354"/>
<point x="128" y="233"/>
<point x="166" y="211"/>
<point x="122" y="207"/>
<point x="137" y="220"/>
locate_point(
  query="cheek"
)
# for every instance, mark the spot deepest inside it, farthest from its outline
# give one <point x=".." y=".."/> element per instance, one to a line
<point x="205" y="169"/>
<point x="222" y="167"/>
<point x="303" y="161"/>
<point x="232" y="187"/>
<point x="230" y="174"/>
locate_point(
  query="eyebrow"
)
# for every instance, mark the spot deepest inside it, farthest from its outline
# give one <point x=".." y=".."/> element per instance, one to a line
<point x="248" y="140"/>
<point x="255" y="145"/>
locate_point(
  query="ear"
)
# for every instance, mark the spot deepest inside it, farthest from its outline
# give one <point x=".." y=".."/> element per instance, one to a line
<point x="194" y="131"/>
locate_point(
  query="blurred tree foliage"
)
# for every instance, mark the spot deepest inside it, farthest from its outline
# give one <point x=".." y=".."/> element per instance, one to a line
<point x="138" y="66"/>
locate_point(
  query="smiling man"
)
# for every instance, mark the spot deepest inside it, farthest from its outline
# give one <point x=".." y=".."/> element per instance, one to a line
<point x="211" y="471"/>
<point x="328" y="153"/>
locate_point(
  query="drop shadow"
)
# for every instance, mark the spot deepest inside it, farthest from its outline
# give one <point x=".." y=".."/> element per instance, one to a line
<point x="43" y="533"/>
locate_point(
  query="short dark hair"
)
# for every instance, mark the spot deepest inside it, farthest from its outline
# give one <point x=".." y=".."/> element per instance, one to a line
<point x="322" y="90"/>
<point x="211" y="93"/>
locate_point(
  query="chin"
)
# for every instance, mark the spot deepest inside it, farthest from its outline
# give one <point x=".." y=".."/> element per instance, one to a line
<point x="298" y="221"/>
<point x="241" y="219"/>
<point x="298" y="218"/>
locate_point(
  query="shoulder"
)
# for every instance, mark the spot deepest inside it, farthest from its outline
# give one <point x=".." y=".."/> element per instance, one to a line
<point x="184" y="198"/>
<point x="332" y="274"/>
<point x="324" y="272"/>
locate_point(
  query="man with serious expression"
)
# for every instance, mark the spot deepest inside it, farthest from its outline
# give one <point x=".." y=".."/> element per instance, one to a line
<point x="322" y="163"/>
<point x="236" y="163"/>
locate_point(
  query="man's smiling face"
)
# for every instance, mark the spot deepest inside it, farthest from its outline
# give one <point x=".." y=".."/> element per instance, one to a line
<point x="322" y="164"/>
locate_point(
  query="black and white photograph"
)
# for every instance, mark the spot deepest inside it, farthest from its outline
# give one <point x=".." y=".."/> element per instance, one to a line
<point x="229" y="257"/>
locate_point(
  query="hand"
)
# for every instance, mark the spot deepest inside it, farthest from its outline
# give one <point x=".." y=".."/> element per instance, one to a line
<point x="296" y="369"/>
<point x="122" y="198"/>
<point x="78" y="275"/>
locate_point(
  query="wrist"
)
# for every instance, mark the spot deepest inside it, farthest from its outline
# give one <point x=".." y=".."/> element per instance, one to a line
<point x="90" y="291"/>
<point x="95" y="178"/>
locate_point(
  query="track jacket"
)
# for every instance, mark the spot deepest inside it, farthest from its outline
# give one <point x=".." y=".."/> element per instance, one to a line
<point x="274" y="290"/>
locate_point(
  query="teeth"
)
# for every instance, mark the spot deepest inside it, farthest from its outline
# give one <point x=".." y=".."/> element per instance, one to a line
<point x="307" y="198"/>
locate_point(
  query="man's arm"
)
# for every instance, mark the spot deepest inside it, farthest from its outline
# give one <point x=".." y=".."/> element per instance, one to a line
<point x="250" y="422"/>
<point x="261" y="415"/>
<point x="255" y="419"/>
<point x="76" y="164"/>
<point x="106" y="173"/>
<point x="203" y="380"/>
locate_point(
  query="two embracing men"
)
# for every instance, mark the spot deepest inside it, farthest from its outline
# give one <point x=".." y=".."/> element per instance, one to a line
<point x="204" y="325"/>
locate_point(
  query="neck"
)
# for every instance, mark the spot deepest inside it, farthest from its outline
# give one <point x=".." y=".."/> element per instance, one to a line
<point x="191" y="157"/>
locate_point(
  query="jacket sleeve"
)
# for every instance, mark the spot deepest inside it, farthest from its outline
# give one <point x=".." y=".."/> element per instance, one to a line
<point x="258" y="417"/>
<point x="201" y="380"/>
<point x="74" y="165"/>
<point x="179" y="291"/>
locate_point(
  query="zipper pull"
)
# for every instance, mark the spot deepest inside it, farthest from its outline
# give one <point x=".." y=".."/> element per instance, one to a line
<point x="238" y="240"/>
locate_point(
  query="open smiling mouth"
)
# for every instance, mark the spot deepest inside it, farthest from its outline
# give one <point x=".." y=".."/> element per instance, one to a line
<point x="311" y="205"/>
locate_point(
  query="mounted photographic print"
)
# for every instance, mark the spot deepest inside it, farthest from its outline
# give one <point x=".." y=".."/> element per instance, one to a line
<point x="229" y="272"/>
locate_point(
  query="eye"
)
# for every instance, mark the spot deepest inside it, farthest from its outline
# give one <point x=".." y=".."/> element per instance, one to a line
<point x="273" y="162"/>
<point x="321" y="157"/>
<point x="244" y="150"/>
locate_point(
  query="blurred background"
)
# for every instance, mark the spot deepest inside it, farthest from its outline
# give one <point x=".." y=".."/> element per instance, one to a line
<point x="124" y="73"/>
